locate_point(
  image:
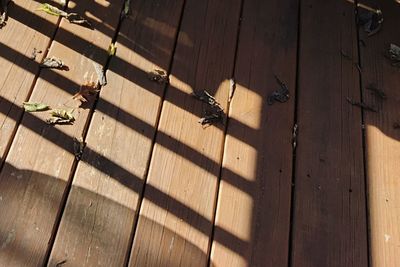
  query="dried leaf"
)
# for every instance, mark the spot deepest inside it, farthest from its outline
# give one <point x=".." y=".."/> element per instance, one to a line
<point x="158" y="76"/>
<point x="53" y="62"/>
<point x="33" y="107"/>
<point x="78" y="19"/>
<point x="212" y="117"/>
<point x="361" y="105"/>
<point x="34" y="53"/>
<point x="126" y="10"/>
<point x="85" y="91"/>
<point x="112" y="49"/>
<point x="4" y="13"/>
<point x="280" y="95"/>
<point x="101" y="77"/>
<point x="205" y="97"/>
<point x="79" y="145"/>
<point x="61" y="116"/>
<point x="52" y="10"/>
<point x="394" y="55"/>
<point x="371" y="21"/>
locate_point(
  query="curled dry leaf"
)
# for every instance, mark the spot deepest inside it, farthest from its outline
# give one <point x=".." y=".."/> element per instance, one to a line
<point x="85" y="91"/>
<point x="158" y="76"/>
<point x="280" y="95"/>
<point x="53" y="63"/>
<point x="33" y="107"/>
<point x="79" y="145"/>
<point x="61" y="116"/>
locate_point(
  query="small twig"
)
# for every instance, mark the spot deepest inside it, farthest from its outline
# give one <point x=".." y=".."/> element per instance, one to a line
<point x="378" y="92"/>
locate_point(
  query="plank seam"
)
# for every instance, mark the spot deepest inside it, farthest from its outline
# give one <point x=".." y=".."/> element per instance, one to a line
<point x="295" y="119"/>
<point x="363" y="137"/>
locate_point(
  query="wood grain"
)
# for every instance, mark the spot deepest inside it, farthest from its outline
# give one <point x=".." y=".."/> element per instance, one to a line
<point x="255" y="191"/>
<point x="17" y="70"/>
<point x="329" y="224"/>
<point x="102" y="206"/>
<point x="176" y="215"/>
<point x="382" y="138"/>
<point x="40" y="160"/>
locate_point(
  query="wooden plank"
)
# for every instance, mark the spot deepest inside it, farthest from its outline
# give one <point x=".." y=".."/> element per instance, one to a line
<point x="17" y="70"/>
<point x="382" y="139"/>
<point x="255" y="191"/>
<point x="37" y="169"/>
<point x="176" y="215"/>
<point x="329" y="224"/>
<point x="97" y="224"/>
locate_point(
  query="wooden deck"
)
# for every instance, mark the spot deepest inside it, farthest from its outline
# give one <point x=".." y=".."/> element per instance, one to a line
<point x="155" y="188"/>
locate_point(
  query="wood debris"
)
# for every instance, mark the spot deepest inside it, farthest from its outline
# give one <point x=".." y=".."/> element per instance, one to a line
<point x="280" y="95"/>
<point x="85" y="91"/>
<point x="34" y="107"/>
<point x="53" y="63"/>
<point x="158" y="76"/>
<point x="61" y="116"/>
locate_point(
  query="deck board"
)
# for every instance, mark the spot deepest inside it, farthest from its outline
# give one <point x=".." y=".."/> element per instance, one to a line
<point x="38" y="166"/>
<point x="17" y="70"/>
<point x="153" y="188"/>
<point x="329" y="223"/>
<point x="382" y="139"/>
<point x="176" y="215"/>
<point x="255" y="191"/>
<point x="101" y="210"/>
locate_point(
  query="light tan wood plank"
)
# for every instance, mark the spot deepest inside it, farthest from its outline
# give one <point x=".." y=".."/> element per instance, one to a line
<point x="255" y="192"/>
<point x="17" y="70"/>
<point x="382" y="139"/>
<point x="38" y="166"/>
<point x="176" y="215"/>
<point x="101" y="210"/>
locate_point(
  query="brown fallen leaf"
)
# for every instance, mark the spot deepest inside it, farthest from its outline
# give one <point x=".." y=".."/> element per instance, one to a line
<point x="61" y="116"/>
<point x="85" y="91"/>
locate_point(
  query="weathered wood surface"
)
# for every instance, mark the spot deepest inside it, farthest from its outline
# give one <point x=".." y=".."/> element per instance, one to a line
<point x="329" y="223"/>
<point x="255" y="191"/>
<point x="26" y="30"/>
<point x="38" y="166"/>
<point x="176" y="215"/>
<point x="382" y="138"/>
<point x="101" y="210"/>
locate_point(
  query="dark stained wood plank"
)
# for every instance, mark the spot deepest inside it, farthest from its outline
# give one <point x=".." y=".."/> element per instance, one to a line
<point x="382" y="138"/>
<point x="175" y="221"/>
<point x="38" y="166"/>
<point x="17" y="70"/>
<point x="329" y="224"/>
<point x="255" y="191"/>
<point x="102" y="206"/>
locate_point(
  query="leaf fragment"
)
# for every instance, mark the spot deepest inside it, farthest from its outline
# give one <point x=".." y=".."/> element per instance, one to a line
<point x="79" y="146"/>
<point x="394" y="55"/>
<point x="75" y="18"/>
<point x="280" y="95"/>
<point x="61" y="116"/>
<point x="85" y="91"/>
<point x="101" y="76"/>
<point x="53" y="63"/>
<point x="158" y="76"/>
<point x="4" y="13"/>
<point x="52" y="10"/>
<point x="34" y="107"/>
<point x="112" y="49"/>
